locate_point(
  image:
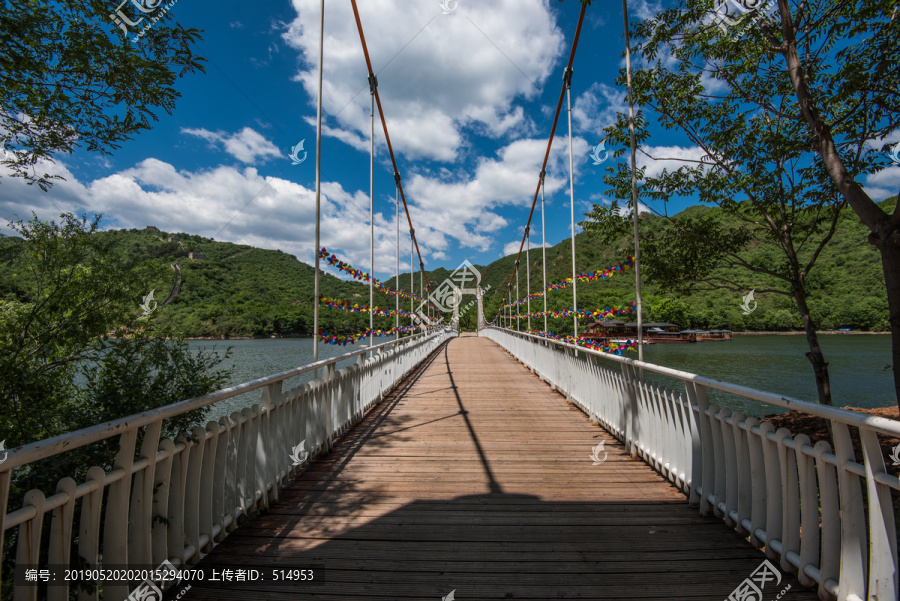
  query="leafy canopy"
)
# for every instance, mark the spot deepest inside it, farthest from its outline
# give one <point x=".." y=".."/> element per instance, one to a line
<point x="73" y="349"/>
<point x="69" y="78"/>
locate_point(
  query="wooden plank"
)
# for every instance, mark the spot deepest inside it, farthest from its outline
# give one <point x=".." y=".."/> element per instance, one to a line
<point x="476" y="477"/>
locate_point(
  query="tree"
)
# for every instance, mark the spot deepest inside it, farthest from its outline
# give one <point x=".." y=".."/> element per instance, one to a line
<point x="74" y="347"/>
<point x="674" y="310"/>
<point x="843" y="71"/>
<point x="468" y="315"/>
<point x="757" y="162"/>
<point x="65" y="289"/>
<point x="68" y="77"/>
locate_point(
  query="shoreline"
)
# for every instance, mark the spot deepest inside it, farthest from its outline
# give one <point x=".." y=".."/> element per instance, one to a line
<point x="273" y="336"/>
<point x="826" y="332"/>
<point x="850" y="333"/>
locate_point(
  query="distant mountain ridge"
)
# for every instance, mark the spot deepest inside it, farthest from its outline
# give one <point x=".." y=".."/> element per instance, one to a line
<point x="233" y="290"/>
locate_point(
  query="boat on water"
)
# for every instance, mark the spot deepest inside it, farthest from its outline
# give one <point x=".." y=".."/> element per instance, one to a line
<point x="630" y="340"/>
<point x="618" y="331"/>
<point x="707" y="335"/>
<point x="716" y="336"/>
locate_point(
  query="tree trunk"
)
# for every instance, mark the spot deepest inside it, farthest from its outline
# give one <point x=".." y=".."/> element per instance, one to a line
<point x="885" y="235"/>
<point x="815" y="356"/>
<point x="888" y="245"/>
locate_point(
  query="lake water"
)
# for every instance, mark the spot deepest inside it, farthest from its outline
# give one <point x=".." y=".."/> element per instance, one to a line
<point x="771" y="363"/>
<point x="856" y="364"/>
<point x="254" y="359"/>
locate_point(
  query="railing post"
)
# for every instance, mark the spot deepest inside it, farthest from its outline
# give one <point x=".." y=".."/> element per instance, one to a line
<point x="853" y="521"/>
<point x="774" y="505"/>
<point x="61" y="537"/>
<point x="231" y="476"/>
<point x="631" y="409"/>
<point x="698" y="454"/>
<point x="327" y="398"/>
<point x="730" y="447"/>
<point x="790" y="538"/>
<point x="28" y="547"/>
<point x="719" y="481"/>
<point x="708" y="459"/>
<point x="161" y="481"/>
<point x="242" y="466"/>
<point x="140" y="550"/>
<point x="89" y="525"/>
<point x="192" y="493"/>
<point x="269" y="440"/>
<point x="883" y="579"/>
<point x="207" y="483"/>
<point x="115" y="527"/>
<point x="758" y="485"/>
<point x="830" y="562"/>
<point x="362" y="383"/>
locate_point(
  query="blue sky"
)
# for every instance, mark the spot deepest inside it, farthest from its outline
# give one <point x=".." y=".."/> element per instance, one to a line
<point x="468" y="97"/>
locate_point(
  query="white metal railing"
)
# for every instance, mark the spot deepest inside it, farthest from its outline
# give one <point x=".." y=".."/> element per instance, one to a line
<point x="179" y="498"/>
<point x="768" y="485"/>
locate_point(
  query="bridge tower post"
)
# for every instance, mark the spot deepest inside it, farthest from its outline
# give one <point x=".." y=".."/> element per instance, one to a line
<point x="478" y="295"/>
<point x="457" y="299"/>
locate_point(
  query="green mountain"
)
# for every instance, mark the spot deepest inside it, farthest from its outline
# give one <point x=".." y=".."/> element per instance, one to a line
<point x="231" y="290"/>
<point x="234" y="290"/>
<point x="846" y="285"/>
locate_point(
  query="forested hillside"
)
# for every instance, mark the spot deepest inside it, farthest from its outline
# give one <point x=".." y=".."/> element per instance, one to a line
<point x="237" y="290"/>
<point x="846" y="285"/>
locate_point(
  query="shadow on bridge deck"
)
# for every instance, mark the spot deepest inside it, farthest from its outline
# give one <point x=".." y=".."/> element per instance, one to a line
<point x="475" y="476"/>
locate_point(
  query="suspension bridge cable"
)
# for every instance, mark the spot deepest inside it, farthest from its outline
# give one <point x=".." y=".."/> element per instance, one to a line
<point x="518" y="325"/>
<point x="634" y="200"/>
<point x="559" y="104"/>
<point x="568" y="81"/>
<point x="387" y="137"/>
<point x="397" y="320"/>
<point x="372" y="84"/>
<point x="544" y="248"/>
<point x="528" y="272"/>
<point x="318" y="187"/>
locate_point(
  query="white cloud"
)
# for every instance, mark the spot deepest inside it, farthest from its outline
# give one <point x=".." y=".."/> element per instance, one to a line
<point x="511" y="248"/>
<point x="883" y="184"/>
<point x="446" y="207"/>
<point x="246" y="145"/>
<point x="643" y="9"/>
<point x="279" y="216"/>
<point x="892" y="138"/>
<point x="668" y="157"/>
<point x="625" y="210"/>
<point x="596" y="109"/>
<point x="18" y="200"/>
<point x="438" y="74"/>
<point x="465" y="209"/>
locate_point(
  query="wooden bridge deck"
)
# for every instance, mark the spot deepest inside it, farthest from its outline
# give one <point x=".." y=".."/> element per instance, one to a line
<point x="475" y="477"/>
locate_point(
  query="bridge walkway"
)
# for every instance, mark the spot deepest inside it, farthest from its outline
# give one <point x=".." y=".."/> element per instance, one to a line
<point x="474" y="476"/>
